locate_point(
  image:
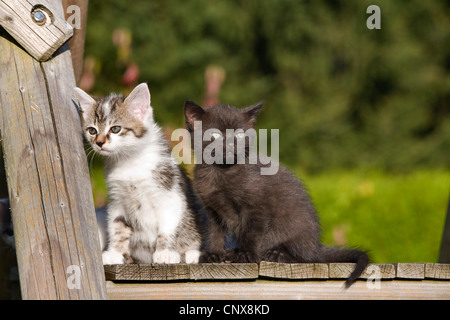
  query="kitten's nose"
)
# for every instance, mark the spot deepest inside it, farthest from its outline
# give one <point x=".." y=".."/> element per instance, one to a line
<point x="100" y="140"/>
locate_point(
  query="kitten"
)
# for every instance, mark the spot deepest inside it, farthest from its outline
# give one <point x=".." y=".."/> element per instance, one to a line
<point x="271" y="216"/>
<point x="153" y="214"/>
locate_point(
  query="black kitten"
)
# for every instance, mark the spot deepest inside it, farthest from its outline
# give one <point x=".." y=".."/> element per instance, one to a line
<point x="271" y="216"/>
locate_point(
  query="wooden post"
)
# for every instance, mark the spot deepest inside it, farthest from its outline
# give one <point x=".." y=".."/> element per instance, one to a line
<point x="41" y="38"/>
<point x="444" y="255"/>
<point x="57" y="242"/>
<point x="76" y="43"/>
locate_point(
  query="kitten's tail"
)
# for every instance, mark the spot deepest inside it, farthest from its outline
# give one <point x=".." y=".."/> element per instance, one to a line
<point x="332" y="254"/>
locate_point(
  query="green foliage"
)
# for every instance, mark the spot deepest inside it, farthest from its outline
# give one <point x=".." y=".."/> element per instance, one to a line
<point x="342" y="95"/>
<point x="398" y="218"/>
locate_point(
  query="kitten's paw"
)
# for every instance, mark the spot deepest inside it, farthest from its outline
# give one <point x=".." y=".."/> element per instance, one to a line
<point x="245" y="257"/>
<point x="112" y="257"/>
<point x="230" y="255"/>
<point x="166" y="256"/>
<point x="277" y="255"/>
<point x="212" y="257"/>
<point x="192" y="256"/>
<point x="274" y="255"/>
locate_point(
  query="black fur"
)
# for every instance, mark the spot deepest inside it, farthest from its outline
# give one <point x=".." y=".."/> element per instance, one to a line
<point x="271" y="216"/>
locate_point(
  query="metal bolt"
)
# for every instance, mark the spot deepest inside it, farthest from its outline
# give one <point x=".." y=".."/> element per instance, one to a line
<point x="39" y="17"/>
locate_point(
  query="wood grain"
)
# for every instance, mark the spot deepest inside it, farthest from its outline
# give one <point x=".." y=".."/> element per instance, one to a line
<point x="280" y="290"/>
<point x="437" y="271"/>
<point x="145" y="272"/>
<point x="223" y="271"/>
<point x="76" y="43"/>
<point x="318" y="281"/>
<point x="41" y="42"/>
<point x="158" y="272"/>
<point x="375" y="271"/>
<point x="48" y="178"/>
<point x="293" y="270"/>
<point x="274" y="270"/>
<point x="410" y="270"/>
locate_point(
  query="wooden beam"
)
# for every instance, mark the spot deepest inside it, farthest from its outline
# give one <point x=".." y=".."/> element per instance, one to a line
<point x="277" y="281"/>
<point x="223" y="271"/>
<point x="275" y="270"/>
<point x="158" y="272"/>
<point x="410" y="270"/>
<point x="437" y="271"/>
<point x="293" y="270"/>
<point x="57" y="242"/>
<point x="279" y="290"/>
<point x="40" y="40"/>
<point x="377" y="271"/>
<point x="71" y="10"/>
<point x="136" y="272"/>
<point x="444" y="254"/>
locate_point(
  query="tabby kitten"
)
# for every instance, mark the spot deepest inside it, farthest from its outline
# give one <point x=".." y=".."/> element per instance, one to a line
<point x="271" y="216"/>
<point x="152" y="210"/>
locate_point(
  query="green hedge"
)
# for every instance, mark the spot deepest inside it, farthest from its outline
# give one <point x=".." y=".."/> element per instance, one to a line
<point x="342" y="95"/>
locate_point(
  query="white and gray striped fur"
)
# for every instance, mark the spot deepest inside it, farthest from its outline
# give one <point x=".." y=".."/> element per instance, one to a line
<point x="153" y="214"/>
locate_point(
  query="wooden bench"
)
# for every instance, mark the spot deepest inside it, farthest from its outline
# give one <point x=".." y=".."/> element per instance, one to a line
<point x="270" y="280"/>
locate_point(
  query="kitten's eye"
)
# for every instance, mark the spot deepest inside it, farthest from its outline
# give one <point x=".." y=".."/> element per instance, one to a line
<point x="240" y="135"/>
<point x="115" y="129"/>
<point x="216" y="135"/>
<point x="92" y="131"/>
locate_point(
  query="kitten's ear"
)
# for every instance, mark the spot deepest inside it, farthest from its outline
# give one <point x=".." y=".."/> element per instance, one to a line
<point x="251" y="112"/>
<point x="85" y="100"/>
<point x="138" y="102"/>
<point x="192" y="112"/>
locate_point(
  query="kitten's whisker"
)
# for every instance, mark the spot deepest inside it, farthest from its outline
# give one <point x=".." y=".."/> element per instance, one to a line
<point x="90" y="157"/>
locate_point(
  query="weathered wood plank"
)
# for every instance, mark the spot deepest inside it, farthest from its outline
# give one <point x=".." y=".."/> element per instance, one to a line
<point x="48" y="179"/>
<point x="410" y="270"/>
<point x="375" y="271"/>
<point x="79" y="33"/>
<point x="379" y="271"/>
<point x="158" y="272"/>
<point x="274" y="270"/>
<point x="147" y="272"/>
<point x="22" y="157"/>
<point x="40" y="41"/>
<point x="437" y="271"/>
<point x="221" y="271"/>
<point x="340" y="270"/>
<point x="281" y="290"/>
<point x="293" y="270"/>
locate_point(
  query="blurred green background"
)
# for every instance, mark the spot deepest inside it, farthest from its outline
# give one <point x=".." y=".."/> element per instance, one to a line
<point x="364" y="115"/>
